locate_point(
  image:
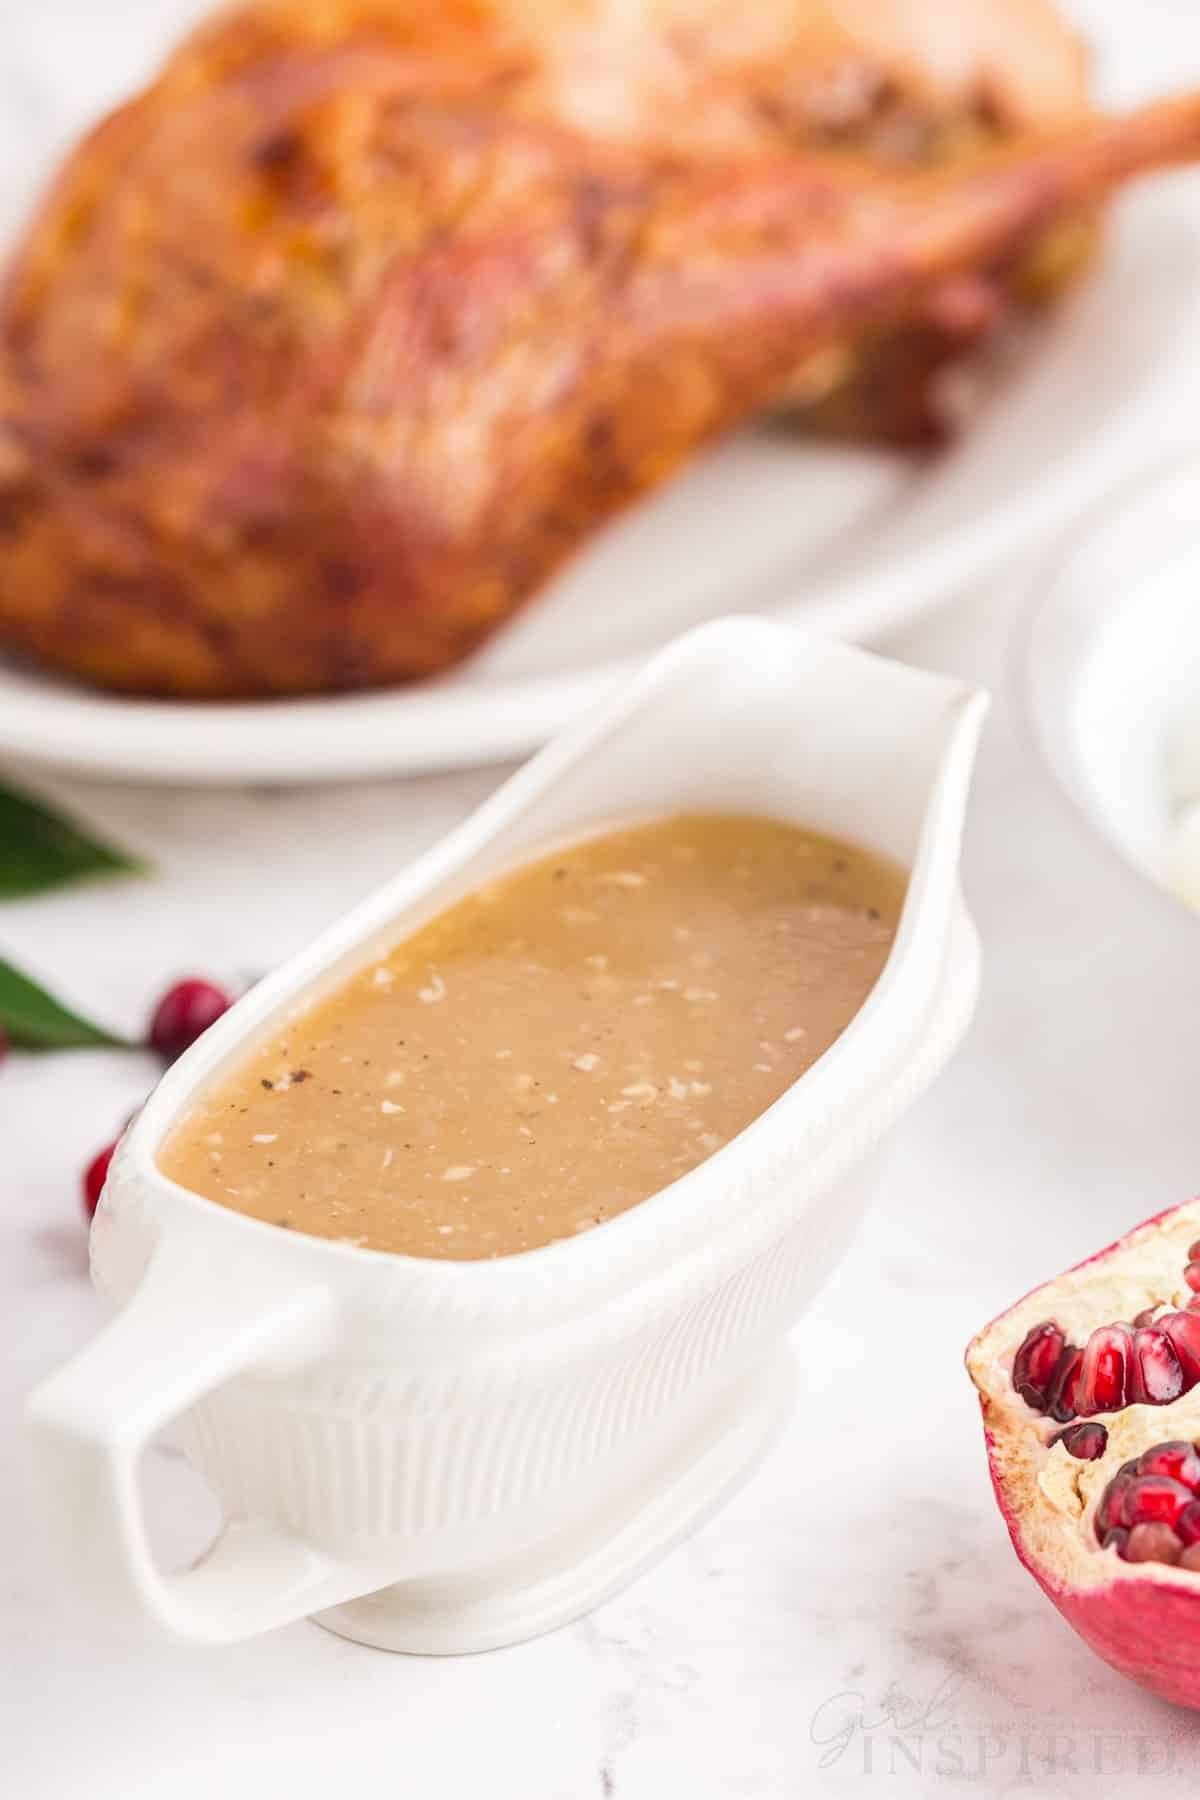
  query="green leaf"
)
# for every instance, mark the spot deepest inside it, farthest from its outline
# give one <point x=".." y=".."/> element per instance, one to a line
<point x="35" y="1020"/>
<point x="41" y="849"/>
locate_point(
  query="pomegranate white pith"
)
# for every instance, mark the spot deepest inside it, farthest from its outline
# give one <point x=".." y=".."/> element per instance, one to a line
<point x="1142" y="1616"/>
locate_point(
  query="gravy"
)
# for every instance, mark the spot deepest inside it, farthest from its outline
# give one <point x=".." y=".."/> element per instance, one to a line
<point x="554" y="1048"/>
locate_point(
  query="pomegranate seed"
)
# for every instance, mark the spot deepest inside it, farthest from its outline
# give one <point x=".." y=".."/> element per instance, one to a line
<point x="1151" y="1543"/>
<point x="183" y="1014"/>
<point x="1178" y="1459"/>
<point x="1150" y="1498"/>
<point x="1183" y="1329"/>
<point x="1087" y="1441"/>
<point x="1104" y="1378"/>
<point x="1146" y="1317"/>
<point x="1156" y="1371"/>
<point x="94" y="1178"/>
<point x="1188" y="1523"/>
<point x="1194" y="1251"/>
<point x="1192" y="1276"/>
<point x="1063" y="1392"/>
<point x="1190" y="1558"/>
<point x="1109" y="1508"/>
<point x="1035" y="1363"/>
<point x="1116" y="1539"/>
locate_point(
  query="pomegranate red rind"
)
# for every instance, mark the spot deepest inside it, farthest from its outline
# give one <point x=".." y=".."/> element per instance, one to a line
<point x="1142" y="1617"/>
<point x="1146" y="1628"/>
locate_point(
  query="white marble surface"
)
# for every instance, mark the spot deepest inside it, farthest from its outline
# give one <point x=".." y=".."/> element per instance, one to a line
<point x="854" y="1622"/>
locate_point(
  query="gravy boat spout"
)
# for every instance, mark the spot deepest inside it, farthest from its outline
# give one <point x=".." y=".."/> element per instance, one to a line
<point x="451" y="1455"/>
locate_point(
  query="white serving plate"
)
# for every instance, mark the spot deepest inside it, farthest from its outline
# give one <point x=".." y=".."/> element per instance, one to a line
<point x="849" y="542"/>
<point x="448" y="1456"/>
<point x="1111" y="665"/>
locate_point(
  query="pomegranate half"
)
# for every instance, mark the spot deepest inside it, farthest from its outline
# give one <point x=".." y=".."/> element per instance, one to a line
<point x="1090" y="1389"/>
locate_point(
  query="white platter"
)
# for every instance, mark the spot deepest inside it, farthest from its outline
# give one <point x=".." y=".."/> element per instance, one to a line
<point x="1110" y="666"/>
<point x="848" y="541"/>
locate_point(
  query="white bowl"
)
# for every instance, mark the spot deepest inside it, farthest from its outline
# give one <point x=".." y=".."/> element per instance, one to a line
<point x="454" y="1455"/>
<point x="1111" y="666"/>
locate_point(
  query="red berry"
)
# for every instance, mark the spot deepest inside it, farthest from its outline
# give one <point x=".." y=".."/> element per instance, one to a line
<point x="184" y="1012"/>
<point x="94" y="1178"/>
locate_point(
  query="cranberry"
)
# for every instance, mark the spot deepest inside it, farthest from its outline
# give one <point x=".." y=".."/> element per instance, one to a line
<point x="184" y="1012"/>
<point x="94" y="1178"/>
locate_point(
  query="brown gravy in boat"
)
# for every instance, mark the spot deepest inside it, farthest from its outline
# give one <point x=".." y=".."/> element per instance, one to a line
<point x="554" y="1048"/>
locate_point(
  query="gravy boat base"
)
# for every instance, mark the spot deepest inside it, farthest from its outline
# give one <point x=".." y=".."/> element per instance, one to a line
<point x="568" y="1577"/>
<point x="448" y="1456"/>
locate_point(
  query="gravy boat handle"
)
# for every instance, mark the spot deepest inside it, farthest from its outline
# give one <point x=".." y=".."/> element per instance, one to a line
<point x="190" y="1326"/>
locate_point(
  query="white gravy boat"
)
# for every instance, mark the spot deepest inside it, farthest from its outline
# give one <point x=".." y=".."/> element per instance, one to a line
<point x="448" y="1456"/>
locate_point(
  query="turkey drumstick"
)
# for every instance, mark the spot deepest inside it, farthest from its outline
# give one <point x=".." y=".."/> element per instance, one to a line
<point x="314" y="369"/>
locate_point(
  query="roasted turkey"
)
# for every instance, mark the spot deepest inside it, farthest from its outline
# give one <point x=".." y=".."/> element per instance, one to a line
<point x="325" y="351"/>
